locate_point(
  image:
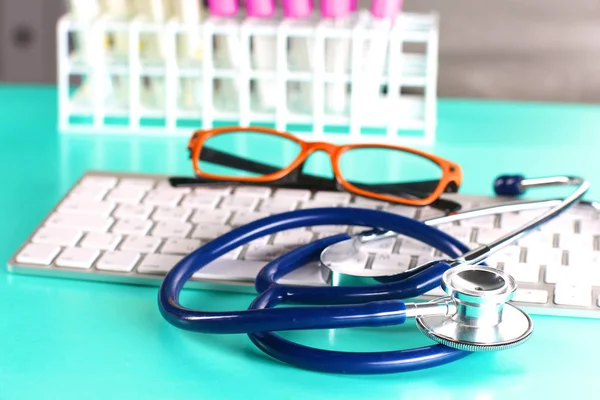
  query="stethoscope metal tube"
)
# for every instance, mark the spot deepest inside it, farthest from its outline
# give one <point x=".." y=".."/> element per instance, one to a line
<point x="475" y="317"/>
<point x="518" y="185"/>
<point x="345" y="250"/>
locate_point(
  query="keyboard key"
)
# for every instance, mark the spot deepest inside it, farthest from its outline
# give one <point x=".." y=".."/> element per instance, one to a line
<point x="366" y="202"/>
<point x="379" y="246"/>
<point x="329" y="230"/>
<point x="171" y="214"/>
<point x="573" y="295"/>
<point x="572" y="275"/>
<point x="393" y="263"/>
<point x="209" y="231"/>
<point x="96" y="193"/>
<point x="126" y="195"/>
<point x="58" y="236"/>
<point x="291" y="194"/>
<point x="253" y="191"/>
<point x="216" y="189"/>
<point x="130" y="226"/>
<point x="584" y="259"/>
<point x="165" y="186"/>
<point x="506" y="255"/>
<point x="558" y="225"/>
<point x="40" y="254"/>
<point x="278" y="206"/>
<point x="429" y="213"/>
<point x="158" y="264"/>
<point x="210" y="216"/>
<point x="245" y="217"/>
<point x="85" y="206"/>
<point x="405" y="211"/>
<point x="544" y="256"/>
<point x="203" y="200"/>
<point x="180" y="246"/>
<point x="462" y="233"/>
<point x="119" y="261"/>
<point x="531" y="296"/>
<point x="141" y="244"/>
<point x="513" y="220"/>
<point x="172" y="229"/>
<point x="413" y="246"/>
<point x="486" y="235"/>
<point x="523" y="272"/>
<point x="136" y="183"/>
<point x="141" y="211"/>
<point x="98" y="181"/>
<point x="576" y="242"/>
<point x="293" y="237"/>
<point x="162" y="198"/>
<point x="101" y="241"/>
<point x="76" y="257"/>
<point x="582" y="212"/>
<point x="332" y="197"/>
<point x="91" y="223"/>
<point x="265" y="252"/>
<point x="538" y="239"/>
<point x="487" y="221"/>
<point x="231" y="270"/>
<point x="319" y="204"/>
<point x="589" y="226"/>
<point x="240" y="203"/>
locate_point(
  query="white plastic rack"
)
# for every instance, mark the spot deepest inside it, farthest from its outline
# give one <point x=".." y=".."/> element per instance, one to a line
<point x="106" y="91"/>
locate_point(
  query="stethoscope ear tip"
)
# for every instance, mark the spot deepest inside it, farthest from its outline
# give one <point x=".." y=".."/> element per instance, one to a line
<point x="509" y="185"/>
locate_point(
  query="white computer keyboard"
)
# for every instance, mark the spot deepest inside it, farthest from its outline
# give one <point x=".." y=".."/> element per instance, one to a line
<point x="132" y="228"/>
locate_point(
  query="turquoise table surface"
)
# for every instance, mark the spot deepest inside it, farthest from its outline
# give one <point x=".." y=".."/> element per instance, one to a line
<point x="69" y="339"/>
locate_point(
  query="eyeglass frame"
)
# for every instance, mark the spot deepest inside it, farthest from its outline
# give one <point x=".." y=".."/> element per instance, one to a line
<point x="449" y="182"/>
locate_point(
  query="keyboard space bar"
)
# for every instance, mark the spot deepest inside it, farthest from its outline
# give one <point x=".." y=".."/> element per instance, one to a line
<point x="245" y="271"/>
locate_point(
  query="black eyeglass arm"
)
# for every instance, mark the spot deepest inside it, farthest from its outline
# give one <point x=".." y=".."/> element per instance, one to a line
<point x="229" y="160"/>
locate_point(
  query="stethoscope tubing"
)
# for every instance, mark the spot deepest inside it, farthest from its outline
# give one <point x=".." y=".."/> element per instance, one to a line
<point x="365" y="305"/>
<point x="301" y="317"/>
<point x="273" y="294"/>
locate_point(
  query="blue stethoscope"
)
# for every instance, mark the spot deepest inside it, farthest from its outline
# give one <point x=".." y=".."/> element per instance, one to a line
<point x="476" y="316"/>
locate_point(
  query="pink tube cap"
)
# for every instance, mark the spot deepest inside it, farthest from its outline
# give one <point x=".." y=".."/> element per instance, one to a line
<point x="297" y="8"/>
<point x="385" y="8"/>
<point x="260" y="8"/>
<point x="353" y="5"/>
<point x="223" y="8"/>
<point x="335" y="8"/>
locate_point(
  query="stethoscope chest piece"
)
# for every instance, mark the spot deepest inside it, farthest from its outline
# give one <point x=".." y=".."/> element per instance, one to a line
<point x="482" y="319"/>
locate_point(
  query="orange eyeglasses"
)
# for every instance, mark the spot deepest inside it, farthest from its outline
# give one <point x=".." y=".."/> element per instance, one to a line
<point x="265" y="156"/>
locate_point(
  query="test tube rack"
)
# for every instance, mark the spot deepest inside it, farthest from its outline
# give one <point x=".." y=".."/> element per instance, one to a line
<point x="404" y="112"/>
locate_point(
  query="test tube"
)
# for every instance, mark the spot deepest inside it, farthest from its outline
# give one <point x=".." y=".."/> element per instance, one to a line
<point x="85" y="11"/>
<point x="337" y="53"/>
<point x="227" y="47"/>
<point x="264" y="52"/>
<point x="119" y="10"/>
<point x="190" y="13"/>
<point x="301" y="49"/>
<point x="156" y="11"/>
<point x="383" y="13"/>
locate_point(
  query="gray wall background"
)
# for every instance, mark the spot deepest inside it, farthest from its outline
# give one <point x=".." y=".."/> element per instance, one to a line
<point x="546" y="50"/>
